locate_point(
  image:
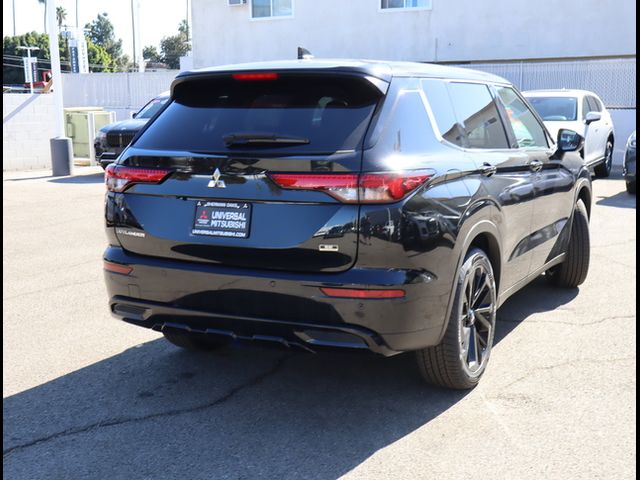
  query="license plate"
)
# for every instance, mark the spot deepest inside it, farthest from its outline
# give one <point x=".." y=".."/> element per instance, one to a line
<point x="222" y="219"/>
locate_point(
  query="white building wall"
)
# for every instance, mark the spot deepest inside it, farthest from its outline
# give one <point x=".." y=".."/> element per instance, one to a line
<point x="452" y="31"/>
<point x="26" y="130"/>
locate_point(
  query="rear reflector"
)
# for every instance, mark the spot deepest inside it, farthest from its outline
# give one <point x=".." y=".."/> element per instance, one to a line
<point x="118" y="178"/>
<point x="359" y="293"/>
<point x="353" y="188"/>
<point x="117" y="268"/>
<point x="255" y="77"/>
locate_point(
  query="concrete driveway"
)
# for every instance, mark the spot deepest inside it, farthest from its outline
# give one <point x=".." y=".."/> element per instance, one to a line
<point x="88" y="397"/>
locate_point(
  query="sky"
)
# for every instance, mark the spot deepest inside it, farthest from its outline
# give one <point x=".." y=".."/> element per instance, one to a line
<point x="158" y="18"/>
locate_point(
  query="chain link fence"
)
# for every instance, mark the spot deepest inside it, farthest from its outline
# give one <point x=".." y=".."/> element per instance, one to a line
<point x="614" y="80"/>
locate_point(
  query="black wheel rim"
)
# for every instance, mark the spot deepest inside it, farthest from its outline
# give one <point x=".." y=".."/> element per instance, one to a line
<point x="478" y="317"/>
<point x="609" y="157"/>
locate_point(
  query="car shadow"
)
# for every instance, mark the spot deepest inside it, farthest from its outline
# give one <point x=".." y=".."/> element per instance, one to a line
<point x="619" y="200"/>
<point x="537" y="297"/>
<point x="80" y="179"/>
<point x="155" y="411"/>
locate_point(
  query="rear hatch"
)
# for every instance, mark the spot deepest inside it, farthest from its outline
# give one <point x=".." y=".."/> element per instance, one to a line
<point x="204" y="181"/>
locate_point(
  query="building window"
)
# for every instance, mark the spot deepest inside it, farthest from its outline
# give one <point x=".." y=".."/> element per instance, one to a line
<point x="271" y="8"/>
<point x="391" y="4"/>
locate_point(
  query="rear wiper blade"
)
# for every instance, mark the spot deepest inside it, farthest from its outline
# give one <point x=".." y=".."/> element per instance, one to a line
<point x="262" y="139"/>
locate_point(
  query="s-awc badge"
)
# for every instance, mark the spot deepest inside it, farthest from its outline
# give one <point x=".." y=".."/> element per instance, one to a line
<point x="222" y="219"/>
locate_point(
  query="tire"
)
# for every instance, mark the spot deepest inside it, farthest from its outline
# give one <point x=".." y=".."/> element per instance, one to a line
<point x="573" y="271"/>
<point x="455" y="362"/>
<point x="195" y="342"/>
<point x="631" y="187"/>
<point x="604" y="169"/>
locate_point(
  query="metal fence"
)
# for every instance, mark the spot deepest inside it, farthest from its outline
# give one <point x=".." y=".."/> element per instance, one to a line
<point x="119" y="92"/>
<point x="614" y="80"/>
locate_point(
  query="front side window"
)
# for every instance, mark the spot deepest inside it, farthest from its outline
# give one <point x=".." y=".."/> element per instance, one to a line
<point x="586" y="108"/>
<point x="596" y="106"/>
<point x="388" y="4"/>
<point x="271" y="8"/>
<point x="528" y="131"/>
<point x="478" y="116"/>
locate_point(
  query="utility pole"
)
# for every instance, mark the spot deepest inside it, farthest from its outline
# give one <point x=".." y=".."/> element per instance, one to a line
<point x="29" y="49"/>
<point x="61" y="148"/>
<point x="13" y="11"/>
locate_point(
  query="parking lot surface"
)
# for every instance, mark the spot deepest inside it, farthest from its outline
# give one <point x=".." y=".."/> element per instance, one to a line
<point x="86" y="396"/>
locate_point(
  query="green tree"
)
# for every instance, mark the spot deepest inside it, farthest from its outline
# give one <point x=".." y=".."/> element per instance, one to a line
<point x="101" y="32"/>
<point x="151" y="54"/>
<point x="176" y="46"/>
<point x="61" y="15"/>
<point x="12" y="70"/>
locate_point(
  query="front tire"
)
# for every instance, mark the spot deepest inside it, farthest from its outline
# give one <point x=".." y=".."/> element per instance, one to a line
<point x="461" y="358"/>
<point x="604" y="169"/>
<point x="195" y="342"/>
<point x="573" y="271"/>
<point x="631" y="187"/>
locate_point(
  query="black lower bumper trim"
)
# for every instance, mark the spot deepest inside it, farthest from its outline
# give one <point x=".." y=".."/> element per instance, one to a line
<point x="307" y="336"/>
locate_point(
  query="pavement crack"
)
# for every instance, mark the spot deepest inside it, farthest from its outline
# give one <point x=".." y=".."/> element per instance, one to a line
<point x="277" y="366"/>
<point x="568" y="363"/>
<point x="574" y="324"/>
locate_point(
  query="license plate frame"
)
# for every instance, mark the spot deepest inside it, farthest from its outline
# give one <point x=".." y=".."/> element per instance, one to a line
<point x="222" y="219"/>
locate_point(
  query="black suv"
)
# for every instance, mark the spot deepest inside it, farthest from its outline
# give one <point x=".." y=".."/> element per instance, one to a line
<point x="112" y="139"/>
<point x="389" y="207"/>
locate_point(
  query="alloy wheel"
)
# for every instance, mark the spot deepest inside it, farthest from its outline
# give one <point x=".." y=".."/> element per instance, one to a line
<point x="478" y="319"/>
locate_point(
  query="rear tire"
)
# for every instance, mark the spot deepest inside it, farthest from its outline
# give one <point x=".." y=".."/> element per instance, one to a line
<point x="631" y="187"/>
<point x="573" y="271"/>
<point x="461" y="358"/>
<point x="195" y="342"/>
<point x="604" y="169"/>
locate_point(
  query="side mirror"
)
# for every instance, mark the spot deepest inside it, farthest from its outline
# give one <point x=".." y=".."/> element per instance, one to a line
<point x="592" y="117"/>
<point x="569" y="141"/>
<point x="134" y="115"/>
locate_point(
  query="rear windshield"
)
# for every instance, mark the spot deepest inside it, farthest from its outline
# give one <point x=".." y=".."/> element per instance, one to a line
<point x="556" y="109"/>
<point x="323" y="114"/>
<point x="151" y="108"/>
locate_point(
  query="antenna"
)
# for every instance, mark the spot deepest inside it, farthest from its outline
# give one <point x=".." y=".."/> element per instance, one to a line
<point x="304" y="54"/>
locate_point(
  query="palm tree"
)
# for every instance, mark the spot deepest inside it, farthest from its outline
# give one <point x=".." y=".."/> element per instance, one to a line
<point x="61" y="15"/>
<point x="44" y="2"/>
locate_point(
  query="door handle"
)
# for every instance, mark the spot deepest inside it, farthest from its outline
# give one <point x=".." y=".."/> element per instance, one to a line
<point x="535" y="165"/>
<point x="488" y="170"/>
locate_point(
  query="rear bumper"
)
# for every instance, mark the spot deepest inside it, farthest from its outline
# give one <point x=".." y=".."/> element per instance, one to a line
<point x="278" y="306"/>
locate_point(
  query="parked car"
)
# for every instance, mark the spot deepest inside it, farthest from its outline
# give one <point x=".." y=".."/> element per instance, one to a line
<point x="629" y="167"/>
<point x="213" y="212"/>
<point x="112" y="139"/>
<point x="582" y="112"/>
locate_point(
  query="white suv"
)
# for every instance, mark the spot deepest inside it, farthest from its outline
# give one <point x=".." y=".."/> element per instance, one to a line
<point x="582" y="112"/>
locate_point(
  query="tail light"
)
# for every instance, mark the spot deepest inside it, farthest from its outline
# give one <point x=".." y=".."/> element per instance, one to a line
<point x="117" y="268"/>
<point x="353" y="188"/>
<point x="118" y="178"/>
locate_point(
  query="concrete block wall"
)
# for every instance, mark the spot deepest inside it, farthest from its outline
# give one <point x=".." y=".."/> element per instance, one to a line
<point x="26" y="130"/>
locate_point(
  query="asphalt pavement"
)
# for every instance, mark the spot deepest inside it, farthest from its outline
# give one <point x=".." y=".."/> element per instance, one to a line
<point x="86" y="396"/>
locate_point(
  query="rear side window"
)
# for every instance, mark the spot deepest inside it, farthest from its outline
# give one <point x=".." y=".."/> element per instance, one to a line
<point x="406" y="130"/>
<point x="478" y="116"/>
<point x="323" y="114"/>
<point x="595" y="105"/>
<point x="440" y="103"/>
<point x="526" y="128"/>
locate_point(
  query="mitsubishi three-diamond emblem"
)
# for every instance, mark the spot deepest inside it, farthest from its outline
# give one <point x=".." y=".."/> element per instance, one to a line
<point x="216" y="182"/>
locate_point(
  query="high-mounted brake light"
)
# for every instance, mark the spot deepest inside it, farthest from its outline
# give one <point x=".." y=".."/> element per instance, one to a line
<point x="118" y="178"/>
<point x="255" y="77"/>
<point x="353" y="188"/>
<point x="362" y="293"/>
